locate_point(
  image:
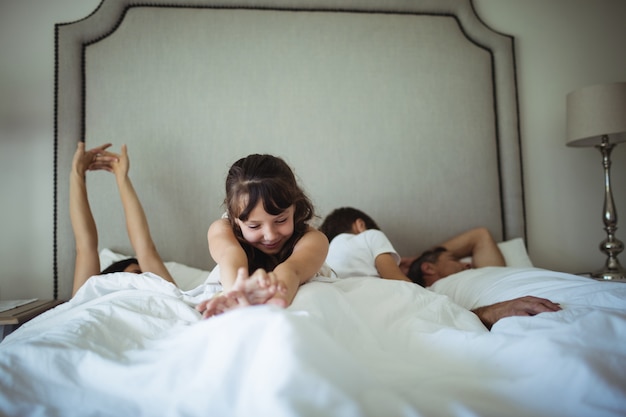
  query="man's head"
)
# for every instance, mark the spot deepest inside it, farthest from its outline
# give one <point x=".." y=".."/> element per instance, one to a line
<point x="433" y="265"/>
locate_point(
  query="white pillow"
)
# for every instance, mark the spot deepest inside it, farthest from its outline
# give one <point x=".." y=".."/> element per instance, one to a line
<point x="514" y="252"/>
<point x="107" y="257"/>
<point x="186" y="277"/>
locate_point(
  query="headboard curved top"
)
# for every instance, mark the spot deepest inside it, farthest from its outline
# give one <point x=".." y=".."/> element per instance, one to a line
<point x="404" y="109"/>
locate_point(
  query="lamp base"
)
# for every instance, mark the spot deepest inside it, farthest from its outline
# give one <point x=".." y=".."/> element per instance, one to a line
<point x="611" y="246"/>
<point x="616" y="275"/>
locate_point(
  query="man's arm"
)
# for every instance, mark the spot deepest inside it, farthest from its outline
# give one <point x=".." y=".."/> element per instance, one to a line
<point x="523" y="306"/>
<point x="477" y="243"/>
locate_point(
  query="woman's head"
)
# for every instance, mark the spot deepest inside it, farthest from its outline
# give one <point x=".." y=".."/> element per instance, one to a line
<point x="263" y="188"/>
<point x="125" y="265"/>
<point x="341" y="220"/>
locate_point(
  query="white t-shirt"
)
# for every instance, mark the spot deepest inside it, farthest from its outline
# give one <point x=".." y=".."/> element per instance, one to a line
<point x="351" y="255"/>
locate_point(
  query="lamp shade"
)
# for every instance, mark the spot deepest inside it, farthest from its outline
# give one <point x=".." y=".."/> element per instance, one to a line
<point x="595" y="111"/>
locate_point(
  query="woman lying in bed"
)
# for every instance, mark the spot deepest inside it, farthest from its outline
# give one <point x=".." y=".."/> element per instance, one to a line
<point x="84" y="226"/>
<point x="358" y="247"/>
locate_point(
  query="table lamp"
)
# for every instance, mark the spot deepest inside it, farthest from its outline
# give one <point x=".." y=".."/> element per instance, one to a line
<point x="596" y="116"/>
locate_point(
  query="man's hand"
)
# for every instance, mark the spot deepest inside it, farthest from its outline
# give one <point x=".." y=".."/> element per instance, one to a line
<point x="523" y="306"/>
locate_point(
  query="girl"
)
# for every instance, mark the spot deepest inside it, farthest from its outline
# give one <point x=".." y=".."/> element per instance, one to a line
<point x="264" y="246"/>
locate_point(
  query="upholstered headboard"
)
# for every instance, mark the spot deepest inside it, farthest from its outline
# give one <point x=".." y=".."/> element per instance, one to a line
<point x="404" y="109"/>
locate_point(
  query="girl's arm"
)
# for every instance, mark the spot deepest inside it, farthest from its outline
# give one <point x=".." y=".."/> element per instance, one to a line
<point x="136" y="222"/>
<point x="226" y="252"/>
<point x="307" y="258"/>
<point x="305" y="261"/>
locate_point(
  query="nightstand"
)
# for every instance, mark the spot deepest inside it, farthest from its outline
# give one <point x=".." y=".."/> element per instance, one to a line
<point x="22" y="314"/>
<point x="15" y="317"/>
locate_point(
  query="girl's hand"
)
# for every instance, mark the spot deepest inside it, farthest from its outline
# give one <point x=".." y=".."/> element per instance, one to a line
<point x="222" y="303"/>
<point x="405" y="264"/>
<point x="259" y="287"/>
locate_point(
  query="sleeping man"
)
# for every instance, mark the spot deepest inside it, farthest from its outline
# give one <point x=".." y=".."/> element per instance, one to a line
<point x="359" y="248"/>
<point x="444" y="260"/>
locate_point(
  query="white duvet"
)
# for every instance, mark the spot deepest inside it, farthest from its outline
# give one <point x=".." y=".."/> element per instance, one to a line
<point x="130" y="345"/>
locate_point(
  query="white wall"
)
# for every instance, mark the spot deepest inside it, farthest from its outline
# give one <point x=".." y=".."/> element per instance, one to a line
<point x="561" y="46"/>
<point x="26" y="141"/>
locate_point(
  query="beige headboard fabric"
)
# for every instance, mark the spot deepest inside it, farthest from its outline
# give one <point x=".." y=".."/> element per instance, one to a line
<point x="404" y="109"/>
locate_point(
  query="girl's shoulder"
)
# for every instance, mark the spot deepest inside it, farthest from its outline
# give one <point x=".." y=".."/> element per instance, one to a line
<point x="313" y="234"/>
<point x="311" y="229"/>
<point x="221" y="222"/>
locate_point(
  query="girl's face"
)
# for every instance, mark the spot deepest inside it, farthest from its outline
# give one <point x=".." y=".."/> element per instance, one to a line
<point x="266" y="232"/>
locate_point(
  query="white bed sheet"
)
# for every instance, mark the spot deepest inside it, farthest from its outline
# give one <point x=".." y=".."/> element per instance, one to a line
<point x="134" y="345"/>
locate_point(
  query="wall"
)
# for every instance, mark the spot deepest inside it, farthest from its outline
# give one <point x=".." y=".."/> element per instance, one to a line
<point x="26" y="141"/>
<point x="561" y="45"/>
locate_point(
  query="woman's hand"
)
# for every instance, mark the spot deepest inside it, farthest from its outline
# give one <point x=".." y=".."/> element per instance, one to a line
<point x="121" y="165"/>
<point x="94" y="159"/>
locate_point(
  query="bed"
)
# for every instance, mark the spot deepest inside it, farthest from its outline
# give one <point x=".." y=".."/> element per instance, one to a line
<point x="404" y="109"/>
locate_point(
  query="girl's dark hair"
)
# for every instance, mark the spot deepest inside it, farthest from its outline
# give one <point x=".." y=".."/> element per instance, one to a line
<point x="269" y="179"/>
<point x="340" y="221"/>
<point x="119" y="266"/>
